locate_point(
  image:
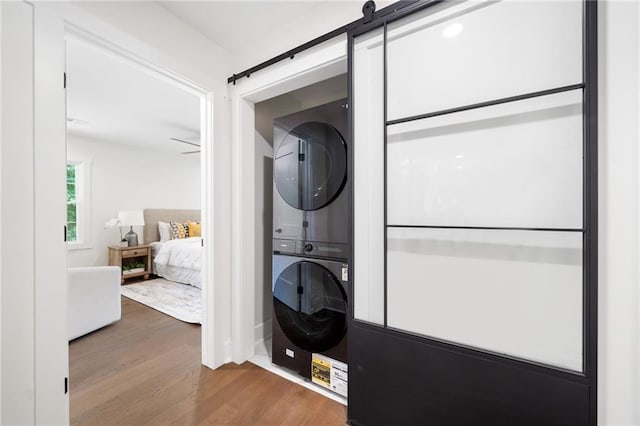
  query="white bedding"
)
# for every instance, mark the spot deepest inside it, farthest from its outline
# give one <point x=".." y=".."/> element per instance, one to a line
<point x="178" y="260"/>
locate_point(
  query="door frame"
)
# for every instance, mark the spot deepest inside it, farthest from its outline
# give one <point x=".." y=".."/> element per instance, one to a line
<point x="322" y="62"/>
<point x="590" y="213"/>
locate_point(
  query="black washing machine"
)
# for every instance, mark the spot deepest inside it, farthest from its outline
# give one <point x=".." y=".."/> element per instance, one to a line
<point x="310" y="199"/>
<point x="310" y="318"/>
<point x="311" y="244"/>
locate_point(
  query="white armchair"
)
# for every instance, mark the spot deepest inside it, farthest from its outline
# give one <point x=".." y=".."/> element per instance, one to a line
<point x="94" y="298"/>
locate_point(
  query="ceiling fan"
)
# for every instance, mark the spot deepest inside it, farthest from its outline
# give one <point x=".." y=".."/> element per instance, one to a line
<point x="188" y="143"/>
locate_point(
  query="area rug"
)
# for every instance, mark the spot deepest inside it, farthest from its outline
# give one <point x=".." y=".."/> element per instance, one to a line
<point x="180" y="301"/>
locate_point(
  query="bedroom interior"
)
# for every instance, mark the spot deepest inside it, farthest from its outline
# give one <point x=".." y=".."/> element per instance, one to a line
<point x="174" y="242"/>
<point x="133" y="199"/>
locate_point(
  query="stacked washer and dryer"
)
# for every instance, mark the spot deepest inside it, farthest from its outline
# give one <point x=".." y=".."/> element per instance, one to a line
<point x="310" y="244"/>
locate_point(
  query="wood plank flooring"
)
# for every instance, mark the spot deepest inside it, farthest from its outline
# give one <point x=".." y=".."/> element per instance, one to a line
<point x="145" y="370"/>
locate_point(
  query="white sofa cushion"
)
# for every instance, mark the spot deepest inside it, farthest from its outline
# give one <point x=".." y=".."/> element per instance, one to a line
<point x="94" y="298"/>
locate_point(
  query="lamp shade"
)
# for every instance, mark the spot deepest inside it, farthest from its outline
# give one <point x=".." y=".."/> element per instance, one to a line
<point x="131" y="218"/>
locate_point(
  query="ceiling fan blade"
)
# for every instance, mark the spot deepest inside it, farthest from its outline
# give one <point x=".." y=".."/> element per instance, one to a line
<point x="190" y="152"/>
<point x="184" y="141"/>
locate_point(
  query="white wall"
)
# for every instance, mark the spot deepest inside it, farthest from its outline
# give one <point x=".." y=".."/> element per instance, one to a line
<point x="619" y="113"/>
<point x="284" y="38"/>
<point x="17" y="189"/>
<point x="124" y="177"/>
<point x="263" y="229"/>
<point x="307" y="97"/>
<point x="1" y="137"/>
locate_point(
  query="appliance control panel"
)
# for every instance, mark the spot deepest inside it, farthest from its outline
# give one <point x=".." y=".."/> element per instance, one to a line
<point x="287" y="247"/>
<point x="331" y="250"/>
<point x="311" y="248"/>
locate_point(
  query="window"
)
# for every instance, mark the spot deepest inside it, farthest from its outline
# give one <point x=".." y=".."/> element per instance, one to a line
<point x="78" y="213"/>
<point x="72" y="202"/>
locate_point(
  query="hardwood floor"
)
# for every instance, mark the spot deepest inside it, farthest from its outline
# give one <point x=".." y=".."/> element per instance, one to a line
<point x="145" y="370"/>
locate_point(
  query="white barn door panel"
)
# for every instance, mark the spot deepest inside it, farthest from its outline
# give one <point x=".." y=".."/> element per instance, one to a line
<point x="468" y="178"/>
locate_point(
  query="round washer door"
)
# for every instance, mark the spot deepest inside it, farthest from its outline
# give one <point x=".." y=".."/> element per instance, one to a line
<point x="311" y="306"/>
<point x="310" y="166"/>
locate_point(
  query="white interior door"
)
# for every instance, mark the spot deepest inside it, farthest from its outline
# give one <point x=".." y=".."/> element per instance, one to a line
<point x="34" y="298"/>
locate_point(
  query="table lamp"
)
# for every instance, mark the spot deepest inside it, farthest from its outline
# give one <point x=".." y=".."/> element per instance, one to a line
<point x="131" y="219"/>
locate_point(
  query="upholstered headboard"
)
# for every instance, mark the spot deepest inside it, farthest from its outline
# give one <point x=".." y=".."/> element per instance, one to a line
<point x="153" y="216"/>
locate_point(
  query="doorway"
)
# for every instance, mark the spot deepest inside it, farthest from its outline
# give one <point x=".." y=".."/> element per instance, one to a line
<point x="310" y="96"/>
<point x="187" y="145"/>
<point x="250" y="320"/>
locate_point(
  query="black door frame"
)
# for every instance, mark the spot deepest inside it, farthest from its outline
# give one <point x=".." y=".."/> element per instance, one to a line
<point x="362" y="333"/>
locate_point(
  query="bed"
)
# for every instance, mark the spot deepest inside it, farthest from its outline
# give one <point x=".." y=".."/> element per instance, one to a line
<point x="176" y="260"/>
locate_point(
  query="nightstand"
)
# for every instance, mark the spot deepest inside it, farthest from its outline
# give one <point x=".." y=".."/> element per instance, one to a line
<point x="130" y="261"/>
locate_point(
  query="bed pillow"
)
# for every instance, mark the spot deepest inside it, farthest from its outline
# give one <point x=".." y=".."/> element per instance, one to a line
<point x="195" y="229"/>
<point x="164" y="229"/>
<point x="179" y="230"/>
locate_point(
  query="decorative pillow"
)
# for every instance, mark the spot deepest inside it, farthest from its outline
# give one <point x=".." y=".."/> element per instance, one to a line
<point x="179" y="230"/>
<point x="164" y="229"/>
<point x="195" y="229"/>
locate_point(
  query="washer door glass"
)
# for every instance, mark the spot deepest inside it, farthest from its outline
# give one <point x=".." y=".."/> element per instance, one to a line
<point x="310" y="305"/>
<point x="310" y="166"/>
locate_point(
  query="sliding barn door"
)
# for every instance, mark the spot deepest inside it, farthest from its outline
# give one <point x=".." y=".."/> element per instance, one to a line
<point x="474" y="198"/>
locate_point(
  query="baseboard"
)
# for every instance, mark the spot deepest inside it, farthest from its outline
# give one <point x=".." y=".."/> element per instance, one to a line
<point x="263" y="332"/>
<point x="227" y="351"/>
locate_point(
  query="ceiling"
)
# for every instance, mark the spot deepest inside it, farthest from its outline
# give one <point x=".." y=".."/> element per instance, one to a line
<point x="254" y="31"/>
<point x="110" y="99"/>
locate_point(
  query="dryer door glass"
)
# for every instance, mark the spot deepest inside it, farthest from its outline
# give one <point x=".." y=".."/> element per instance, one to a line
<point x="310" y="305"/>
<point x="310" y="166"/>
